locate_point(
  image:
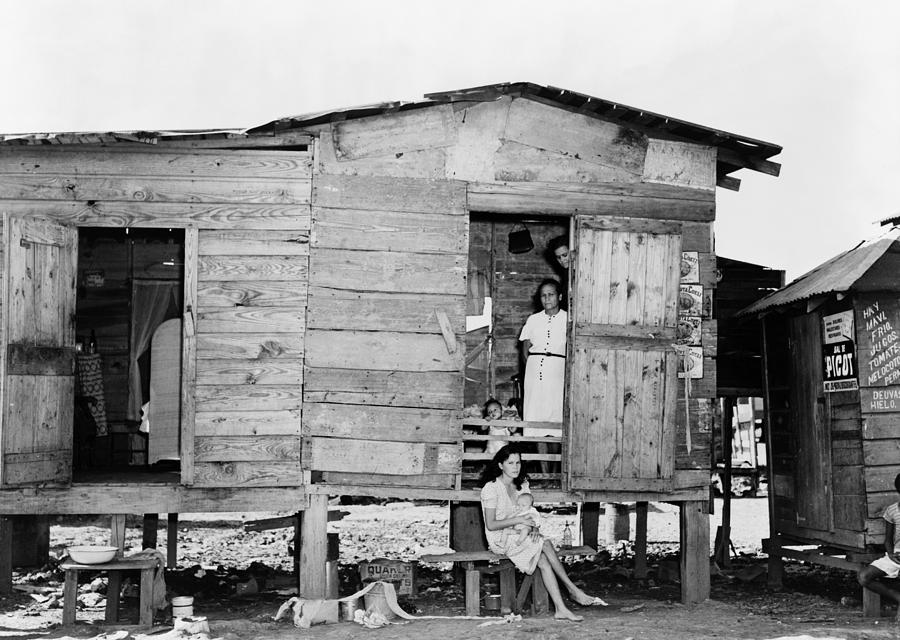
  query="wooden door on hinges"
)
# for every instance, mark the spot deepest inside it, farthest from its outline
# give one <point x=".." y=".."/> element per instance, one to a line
<point x="623" y="368"/>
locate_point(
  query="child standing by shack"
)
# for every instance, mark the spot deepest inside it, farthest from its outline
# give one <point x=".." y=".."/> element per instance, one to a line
<point x="887" y="566"/>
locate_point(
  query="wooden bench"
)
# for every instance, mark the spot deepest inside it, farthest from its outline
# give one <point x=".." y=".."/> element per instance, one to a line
<point x="147" y="566"/>
<point x="510" y="601"/>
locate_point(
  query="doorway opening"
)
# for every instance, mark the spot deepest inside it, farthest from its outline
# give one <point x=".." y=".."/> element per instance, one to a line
<point x="127" y="415"/>
<point x="509" y="258"/>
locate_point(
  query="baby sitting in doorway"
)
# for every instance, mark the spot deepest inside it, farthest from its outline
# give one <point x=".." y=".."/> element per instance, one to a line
<point x="493" y="410"/>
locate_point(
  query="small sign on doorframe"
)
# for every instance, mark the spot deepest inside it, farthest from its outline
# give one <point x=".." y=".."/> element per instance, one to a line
<point x="690" y="363"/>
<point x="94" y="279"/>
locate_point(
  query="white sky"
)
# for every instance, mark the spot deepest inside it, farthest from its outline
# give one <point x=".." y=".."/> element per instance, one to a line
<point x="820" y="78"/>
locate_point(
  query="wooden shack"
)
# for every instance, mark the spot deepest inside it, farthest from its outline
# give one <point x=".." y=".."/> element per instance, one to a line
<point x="832" y="383"/>
<point x="326" y="265"/>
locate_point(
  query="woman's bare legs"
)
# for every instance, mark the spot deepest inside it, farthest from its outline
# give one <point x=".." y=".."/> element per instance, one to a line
<point x="577" y="594"/>
<point x="562" y="611"/>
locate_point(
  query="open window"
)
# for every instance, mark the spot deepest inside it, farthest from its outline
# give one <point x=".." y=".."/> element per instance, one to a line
<point x="127" y="396"/>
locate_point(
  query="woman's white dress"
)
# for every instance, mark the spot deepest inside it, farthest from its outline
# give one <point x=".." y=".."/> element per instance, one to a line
<point x="524" y="555"/>
<point x="544" y="375"/>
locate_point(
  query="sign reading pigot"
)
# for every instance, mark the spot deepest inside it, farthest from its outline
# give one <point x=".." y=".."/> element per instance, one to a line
<point x="839" y="353"/>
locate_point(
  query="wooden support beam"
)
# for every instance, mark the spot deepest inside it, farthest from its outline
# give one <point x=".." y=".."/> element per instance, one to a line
<point x="694" y="520"/>
<point x="640" y="540"/>
<point x="590" y="523"/>
<point x="313" y="548"/>
<point x="117" y="532"/>
<point x="151" y="525"/>
<point x="6" y="544"/>
<point x="776" y="563"/>
<point x="730" y="183"/>
<point x="757" y="164"/>
<point x="723" y="540"/>
<point x="172" y="541"/>
<point x="618" y="526"/>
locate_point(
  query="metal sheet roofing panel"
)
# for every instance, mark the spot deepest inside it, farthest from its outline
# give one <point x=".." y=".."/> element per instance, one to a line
<point x="834" y="276"/>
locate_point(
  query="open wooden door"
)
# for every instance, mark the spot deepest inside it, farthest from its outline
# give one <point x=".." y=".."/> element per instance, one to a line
<point x="623" y="366"/>
<point x="38" y="330"/>
<point x="383" y="381"/>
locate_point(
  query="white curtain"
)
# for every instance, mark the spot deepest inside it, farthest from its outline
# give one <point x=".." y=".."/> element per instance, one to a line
<point x="150" y="301"/>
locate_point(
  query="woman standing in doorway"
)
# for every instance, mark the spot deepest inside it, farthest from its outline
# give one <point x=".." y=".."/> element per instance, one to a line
<point x="544" y="346"/>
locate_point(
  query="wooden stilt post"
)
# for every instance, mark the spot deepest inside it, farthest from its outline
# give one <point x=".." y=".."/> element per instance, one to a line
<point x="151" y="525"/>
<point x="172" y="541"/>
<point x="313" y="547"/>
<point x="618" y="527"/>
<point x="723" y="551"/>
<point x="694" y="551"/>
<point x="776" y="562"/>
<point x="117" y="532"/>
<point x="6" y="544"/>
<point x="590" y="524"/>
<point x="640" y="540"/>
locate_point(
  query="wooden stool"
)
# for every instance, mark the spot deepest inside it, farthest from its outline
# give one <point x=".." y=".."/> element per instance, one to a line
<point x="147" y="566"/>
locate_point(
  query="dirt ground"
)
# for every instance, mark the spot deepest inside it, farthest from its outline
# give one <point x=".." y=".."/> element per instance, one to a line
<point x="239" y="579"/>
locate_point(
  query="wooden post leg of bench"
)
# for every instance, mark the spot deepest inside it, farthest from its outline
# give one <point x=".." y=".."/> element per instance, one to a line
<point x="871" y="604"/>
<point x="507" y="589"/>
<point x="523" y="593"/>
<point x="113" y="589"/>
<point x="146" y="601"/>
<point x="540" y="601"/>
<point x="70" y="595"/>
<point x="473" y="589"/>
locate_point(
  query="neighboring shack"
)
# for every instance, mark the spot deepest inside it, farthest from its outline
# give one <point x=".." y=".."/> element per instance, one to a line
<point x="321" y="268"/>
<point x="832" y="354"/>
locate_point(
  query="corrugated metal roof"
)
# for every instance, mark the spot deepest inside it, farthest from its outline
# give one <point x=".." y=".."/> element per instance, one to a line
<point x="834" y="276"/>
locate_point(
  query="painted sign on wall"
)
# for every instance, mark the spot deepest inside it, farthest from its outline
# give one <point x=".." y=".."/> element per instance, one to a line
<point x="839" y="352"/>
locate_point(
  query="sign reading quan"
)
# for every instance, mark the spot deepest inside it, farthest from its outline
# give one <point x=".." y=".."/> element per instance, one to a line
<point x="839" y="352"/>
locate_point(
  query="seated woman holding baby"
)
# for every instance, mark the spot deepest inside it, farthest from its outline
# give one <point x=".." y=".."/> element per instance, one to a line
<point x="504" y="482"/>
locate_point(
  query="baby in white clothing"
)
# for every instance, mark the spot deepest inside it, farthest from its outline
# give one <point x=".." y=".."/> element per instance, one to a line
<point x="525" y="506"/>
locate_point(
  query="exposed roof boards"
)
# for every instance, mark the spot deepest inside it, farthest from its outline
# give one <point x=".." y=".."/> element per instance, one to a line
<point x="733" y="151"/>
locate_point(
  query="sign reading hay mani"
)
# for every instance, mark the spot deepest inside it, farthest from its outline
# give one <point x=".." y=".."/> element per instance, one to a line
<point x="879" y="342"/>
<point x="839" y="352"/>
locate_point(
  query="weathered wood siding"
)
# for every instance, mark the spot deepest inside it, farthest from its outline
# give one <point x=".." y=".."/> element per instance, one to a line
<point x="385" y="350"/>
<point x="520" y="156"/>
<point x="877" y="321"/>
<point x="246" y="213"/>
<point x="37" y="399"/>
<point x="622" y="385"/>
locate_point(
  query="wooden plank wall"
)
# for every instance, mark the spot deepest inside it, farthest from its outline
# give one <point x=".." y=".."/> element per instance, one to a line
<point x="251" y="210"/>
<point x="877" y="317"/>
<point x="700" y="396"/>
<point x="385" y="351"/>
<point x="523" y="157"/>
<point x="817" y="466"/>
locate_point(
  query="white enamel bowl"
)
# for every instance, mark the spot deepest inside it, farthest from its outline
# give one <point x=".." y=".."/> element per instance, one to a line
<point x="92" y="554"/>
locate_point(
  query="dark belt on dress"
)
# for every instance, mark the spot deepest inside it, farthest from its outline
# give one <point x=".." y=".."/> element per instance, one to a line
<point x="545" y="353"/>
